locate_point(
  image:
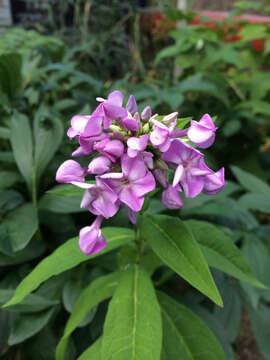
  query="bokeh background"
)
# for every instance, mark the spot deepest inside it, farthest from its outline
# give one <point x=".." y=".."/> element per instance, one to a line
<point x="194" y="57"/>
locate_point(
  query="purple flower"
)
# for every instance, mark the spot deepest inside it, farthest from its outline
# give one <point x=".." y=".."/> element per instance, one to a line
<point x="190" y="167"/>
<point x="132" y="105"/>
<point x="170" y="119"/>
<point x="91" y="238"/>
<point x="99" y="198"/>
<point x="161" y="135"/>
<point x="137" y="145"/>
<point x="202" y="133"/>
<point x="161" y="178"/>
<point x="85" y="148"/>
<point x="171" y="198"/>
<point x="131" y="214"/>
<point x="146" y="114"/>
<point x="214" y="182"/>
<point x="87" y="127"/>
<point x="110" y="148"/>
<point x="132" y="184"/>
<point x="70" y="171"/>
<point x="99" y="165"/>
<point x="129" y="123"/>
<point x="111" y="109"/>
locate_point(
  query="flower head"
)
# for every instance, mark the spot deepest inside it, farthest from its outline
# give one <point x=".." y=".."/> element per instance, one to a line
<point x="131" y="155"/>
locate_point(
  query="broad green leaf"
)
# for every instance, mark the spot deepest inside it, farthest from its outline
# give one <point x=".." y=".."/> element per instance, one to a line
<point x="258" y="257"/>
<point x="99" y="290"/>
<point x="4" y="132"/>
<point x="66" y="190"/>
<point x="66" y="257"/>
<point x="185" y="334"/>
<point x="48" y="133"/>
<point x="32" y="303"/>
<point x="217" y="328"/>
<point x="32" y="251"/>
<point x="182" y="122"/>
<point x="9" y="178"/>
<point x="133" y="328"/>
<point x="250" y="182"/>
<point x="27" y="325"/>
<point x="253" y="31"/>
<point x="257" y="202"/>
<point x="260" y="320"/>
<point x="10" y="73"/>
<point x="174" y="243"/>
<point x="22" y="146"/>
<point x="83" y="76"/>
<point x="229" y="316"/>
<point x="18" y="228"/>
<point x="220" y="252"/>
<point x="93" y="352"/>
<point x="63" y="205"/>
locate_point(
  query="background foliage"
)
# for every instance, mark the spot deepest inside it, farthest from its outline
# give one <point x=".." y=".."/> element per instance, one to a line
<point x="55" y="69"/>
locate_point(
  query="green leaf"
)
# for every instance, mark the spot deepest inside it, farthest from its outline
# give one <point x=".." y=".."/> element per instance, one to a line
<point x="250" y="182"/>
<point x="174" y="243"/>
<point x="253" y="32"/>
<point x="10" y="73"/>
<point x="93" y="352"/>
<point x="63" y="205"/>
<point x="66" y="257"/>
<point x="83" y="76"/>
<point x="133" y="328"/>
<point x="256" y="253"/>
<point x="4" y="133"/>
<point x="9" y="178"/>
<point x="220" y="252"/>
<point x="27" y="325"/>
<point x="99" y="290"/>
<point x="22" y="146"/>
<point x="260" y="320"/>
<point x="185" y="334"/>
<point x="18" y="228"/>
<point x="257" y="202"/>
<point x="32" y="303"/>
<point x="181" y="123"/>
<point x="66" y="190"/>
<point x="48" y="133"/>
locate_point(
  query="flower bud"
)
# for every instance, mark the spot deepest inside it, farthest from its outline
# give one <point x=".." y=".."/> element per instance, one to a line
<point x="171" y="198"/>
<point x="169" y="119"/>
<point x="91" y="239"/>
<point x="69" y="172"/>
<point x="99" y="165"/>
<point x="146" y="114"/>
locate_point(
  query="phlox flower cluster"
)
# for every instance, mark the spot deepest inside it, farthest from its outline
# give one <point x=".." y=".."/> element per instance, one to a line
<point x="130" y="155"/>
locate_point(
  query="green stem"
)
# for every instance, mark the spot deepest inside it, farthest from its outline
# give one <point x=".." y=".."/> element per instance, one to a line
<point x="139" y="244"/>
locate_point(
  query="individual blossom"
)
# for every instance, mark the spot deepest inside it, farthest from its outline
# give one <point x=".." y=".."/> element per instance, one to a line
<point x="110" y="148"/>
<point x="136" y="145"/>
<point x="202" y="133"/>
<point x="132" y="184"/>
<point x="99" y="198"/>
<point x="91" y="239"/>
<point x="214" y="182"/>
<point x="190" y="167"/>
<point x="87" y="127"/>
<point x="171" y="198"/>
<point x="69" y="172"/>
<point x="111" y="109"/>
<point x="161" y="134"/>
<point x="99" y="165"/>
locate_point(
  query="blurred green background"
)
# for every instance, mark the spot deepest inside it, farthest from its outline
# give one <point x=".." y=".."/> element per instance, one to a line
<point x="55" y="58"/>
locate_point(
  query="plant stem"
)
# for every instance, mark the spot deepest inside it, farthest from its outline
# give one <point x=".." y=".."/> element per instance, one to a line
<point x="139" y="244"/>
